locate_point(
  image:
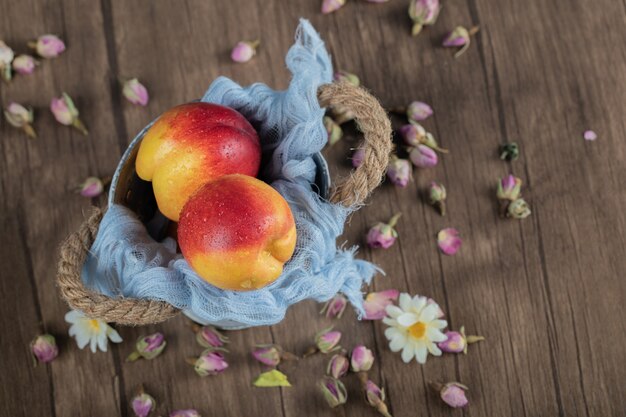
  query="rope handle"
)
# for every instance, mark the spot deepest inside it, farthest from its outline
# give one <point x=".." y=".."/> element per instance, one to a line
<point x="350" y="192"/>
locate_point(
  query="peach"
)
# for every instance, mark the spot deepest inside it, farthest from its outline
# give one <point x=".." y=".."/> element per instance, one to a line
<point x="192" y="144"/>
<point x="237" y="232"/>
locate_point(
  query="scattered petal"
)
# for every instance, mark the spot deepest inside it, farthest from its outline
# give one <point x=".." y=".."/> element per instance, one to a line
<point x="590" y="135"/>
<point x="329" y="6"/>
<point x="244" y="51"/>
<point x="376" y="302"/>
<point x="135" y="92"/>
<point x="449" y="241"/>
<point x="273" y="378"/>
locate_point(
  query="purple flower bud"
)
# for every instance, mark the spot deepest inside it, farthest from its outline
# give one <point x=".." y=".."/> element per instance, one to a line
<point x="423" y="13"/>
<point x="361" y="359"/>
<point x="357" y="157"/>
<point x="209" y="336"/>
<point x="148" y="347"/>
<point x="185" y="413"/>
<point x="418" y="111"/>
<point x="327" y="340"/>
<point x="335" y="307"/>
<point x="399" y="172"/>
<point x="383" y="235"/>
<point x="6" y="57"/>
<point x="509" y="188"/>
<point x="437" y="196"/>
<point x="20" y="117"/>
<point x="449" y="241"/>
<point x="459" y="38"/>
<point x="135" y="92"/>
<point x="346" y="76"/>
<point x="48" y="46"/>
<point x="452" y="394"/>
<point x="92" y="187"/>
<point x="44" y="348"/>
<point x="334" y="391"/>
<point x="66" y="113"/>
<point x="24" y="64"/>
<point x="376" y="302"/>
<point x="333" y="130"/>
<point x="142" y="404"/>
<point x="338" y="366"/>
<point x="455" y="342"/>
<point x="519" y="209"/>
<point x="412" y="134"/>
<point x="267" y="354"/>
<point x="423" y="157"/>
<point x="210" y="363"/>
<point x="244" y="51"/>
<point x="329" y="6"/>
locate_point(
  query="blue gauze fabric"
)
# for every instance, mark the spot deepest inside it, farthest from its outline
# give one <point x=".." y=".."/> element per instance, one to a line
<point x="125" y="261"/>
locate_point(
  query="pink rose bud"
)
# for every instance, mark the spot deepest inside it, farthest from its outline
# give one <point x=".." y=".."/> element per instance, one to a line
<point x="6" y="57"/>
<point x="24" y="64"/>
<point x="185" y="413"/>
<point x="457" y="342"/>
<point x="423" y="13"/>
<point x="267" y="354"/>
<point x="327" y="340"/>
<point x="44" y="348"/>
<point x="210" y="337"/>
<point x="383" y="235"/>
<point x="244" y="51"/>
<point x="148" y="347"/>
<point x="376" y="302"/>
<point x="348" y="77"/>
<point x="437" y="196"/>
<point x="66" y="113"/>
<point x="335" y="307"/>
<point x="357" y="157"/>
<point x="452" y="393"/>
<point x="135" y="92"/>
<point x="142" y="404"/>
<point x="210" y="363"/>
<point x="329" y="6"/>
<point x="334" y="391"/>
<point x="509" y="188"/>
<point x="449" y="241"/>
<point x="20" y="117"/>
<point x="590" y="135"/>
<point x="361" y="359"/>
<point x="48" y="46"/>
<point x="418" y="111"/>
<point x="338" y="366"/>
<point x="423" y="157"/>
<point x="519" y="209"/>
<point x="92" y="187"/>
<point x="375" y="397"/>
<point x="399" y="171"/>
<point x="440" y="313"/>
<point x="333" y="130"/>
<point x="459" y="38"/>
<point x="413" y="134"/>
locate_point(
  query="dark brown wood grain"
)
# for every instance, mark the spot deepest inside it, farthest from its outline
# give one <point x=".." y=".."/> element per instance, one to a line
<point x="546" y="292"/>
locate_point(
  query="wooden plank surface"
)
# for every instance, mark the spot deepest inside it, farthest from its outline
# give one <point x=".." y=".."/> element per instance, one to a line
<point x="547" y="292"/>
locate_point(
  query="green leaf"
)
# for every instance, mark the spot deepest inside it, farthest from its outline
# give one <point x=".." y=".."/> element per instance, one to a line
<point x="273" y="378"/>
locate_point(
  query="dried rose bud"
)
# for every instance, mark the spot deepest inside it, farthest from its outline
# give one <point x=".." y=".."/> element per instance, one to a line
<point x="459" y="37"/>
<point x="335" y="307"/>
<point x="413" y="134"/>
<point x="383" y="235"/>
<point x="135" y="92"/>
<point x="437" y="195"/>
<point x="185" y="413"/>
<point x="346" y="76"/>
<point x="423" y="157"/>
<point x="519" y="209"/>
<point x="375" y="397"/>
<point x="418" y="111"/>
<point x="6" y="57"/>
<point x="333" y="390"/>
<point x="423" y="13"/>
<point x="509" y="151"/>
<point x="376" y="302"/>
<point x="24" y="64"/>
<point x="457" y="342"/>
<point x="452" y="393"/>
<point x="361" y="359"/>
<point x="66" y="113"/>
<point x="267" y="354"/>
<point x="334" y="131"/>
<point x="509" y="188"/>
<point x="338" y="366"/>
<point x="399" y="171"/>
<point x="148" y="347"/>
<point x="44" y="348"/>
<point x="48" y="46"/>
<point x="590" y="135"/>
<point x="329" y="6"/>
<point x="449" y="241"/>
<point x="92" y="187"/>
<point x="244" y="51"/>
<point x="209" y="363"/>
<point x="357" y="157"/>
<point x="327" y="340"/>
<point x="142" y="404"/>
<point x="209" y="336"/>
<point x="440" y="313"/>
<point x="20" y="117"/>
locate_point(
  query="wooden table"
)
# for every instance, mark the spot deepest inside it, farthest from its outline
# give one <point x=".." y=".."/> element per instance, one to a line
<point x="546" y="292"/>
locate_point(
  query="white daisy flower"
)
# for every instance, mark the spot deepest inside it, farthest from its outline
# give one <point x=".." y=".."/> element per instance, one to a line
<point x="91" y="331"/>
<point x="414" y="328"/>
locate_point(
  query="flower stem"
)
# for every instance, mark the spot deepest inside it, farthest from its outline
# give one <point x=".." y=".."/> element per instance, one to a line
<point x="394" y="220"/>
<point x="133" y="356"/>
<point x="78" y="124"/>
<point x="310" y="351"/>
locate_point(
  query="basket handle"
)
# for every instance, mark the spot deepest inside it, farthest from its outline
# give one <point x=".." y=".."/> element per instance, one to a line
<point x="376" y="127"/>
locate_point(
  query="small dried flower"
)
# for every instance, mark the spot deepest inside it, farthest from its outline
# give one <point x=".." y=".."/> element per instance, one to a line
<point x="357" y="157"/>
<point x="93" y="332"/>
<point x="92" y="187"/>
<point x="210" y="337"/>
<point x="44" y="348"/>
<point x="459" y="37"/>
<point x="449" y="241"/>
<point x="24" y="64"/>
<point x="209" y="362"/>
<point x="135" y="92"/>
<point x="437" y="195"/>
<point x="142" y="404"/>
<point x="335" y="307"/>
<point x="413" y="134"/>
<point x="361" y="359"/>
<point x="452" y="393"/>
<point x="509" y="188"/>
<point x="376" y="302"/>
<point x="20" y="117"/>
<point x="423" y="13"/>
<point x="418" y="111"/>
<point x="346" y="76"/>
<point x="457" y="342"/>
<point x="333" y="390"/>
<point x="273" y="378"/>
<point x="383" y="235"/>
<point x="66" y="113"/>
<point x="6" y="57"/>
<point x="48" y="46"/>
<point x="327" y="340"/>
<point x="509" y="151"/>
<point x="338" y="366"/>
<point x="334" y="131"/>
<point x="423" y="157"/>
<point x="519" y="209"/>
<point x="267" y="354"/>
<point x="148" y="347"/>
<point x="329" y="6"/>
<point x="244" y="51"/>
<point x="375" y="397"/>
<point x="399" y="171"/>
<point x="590" y="135"/>
<point x="185" y="413"/>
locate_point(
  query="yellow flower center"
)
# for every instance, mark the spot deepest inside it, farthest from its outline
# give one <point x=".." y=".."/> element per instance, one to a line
<point x="94" y="325"/>
<point x="417" y="330"/>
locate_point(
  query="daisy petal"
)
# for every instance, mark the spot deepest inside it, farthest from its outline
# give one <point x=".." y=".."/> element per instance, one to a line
<point x="433" y="349"/>
<point x="94" y="344"/>
<point x="418" y="302"/>
<point x="113" y="335"/>
<point x="102" y="342"/>
<point x="429" y="313"/>
<point x="407" y="319"/>
<point x="421" y="352"/>
<point x="407" y="354"/>
<point x="405" y="301"/>
<point x="393" y="311"/>
<point x="397" y="342"/>
<point x="435" y="335"/>
<point x="439" y="324"/>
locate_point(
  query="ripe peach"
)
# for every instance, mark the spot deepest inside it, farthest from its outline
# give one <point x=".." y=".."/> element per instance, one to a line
<point x="237" y="232"/>
<point x="192" y="144"/>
